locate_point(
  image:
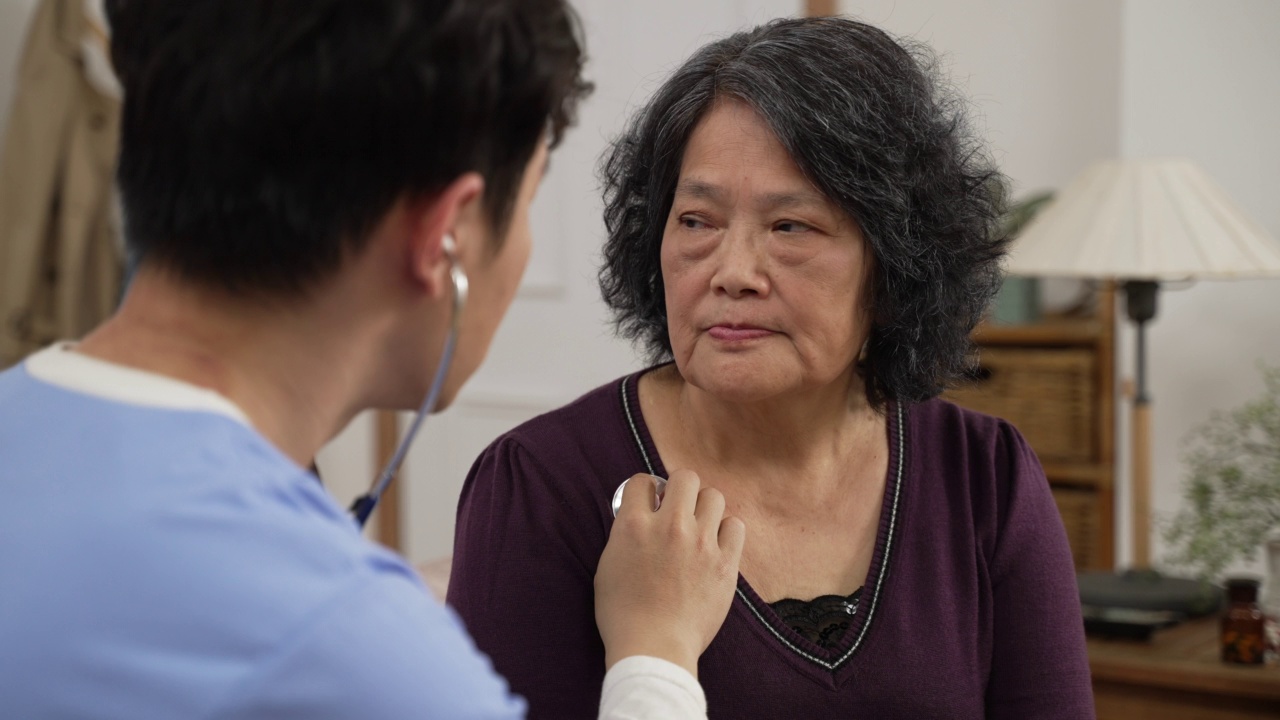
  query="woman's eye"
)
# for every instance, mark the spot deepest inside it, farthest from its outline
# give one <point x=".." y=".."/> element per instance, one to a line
<point x="692" y="223"/>
<point x="791" y="226"/>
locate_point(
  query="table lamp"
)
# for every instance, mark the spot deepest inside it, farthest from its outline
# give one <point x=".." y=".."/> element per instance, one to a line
<point x="1140" y="222"/>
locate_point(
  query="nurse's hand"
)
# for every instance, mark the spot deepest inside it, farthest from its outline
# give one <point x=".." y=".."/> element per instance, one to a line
<point x="667" y="578"/>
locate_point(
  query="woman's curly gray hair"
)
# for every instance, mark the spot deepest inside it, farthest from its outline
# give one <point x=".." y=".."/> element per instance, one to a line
<point x="867" y="120"/>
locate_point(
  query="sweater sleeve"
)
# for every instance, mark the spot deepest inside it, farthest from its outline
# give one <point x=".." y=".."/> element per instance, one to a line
<point x="525" y="554"/>
<point x="1039" y="663"/>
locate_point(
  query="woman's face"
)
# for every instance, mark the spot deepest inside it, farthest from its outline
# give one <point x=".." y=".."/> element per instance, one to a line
<point x="764" y="275"/>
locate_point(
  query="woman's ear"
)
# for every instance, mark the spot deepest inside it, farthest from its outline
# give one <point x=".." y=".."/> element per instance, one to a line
<point x="454" y="211"/>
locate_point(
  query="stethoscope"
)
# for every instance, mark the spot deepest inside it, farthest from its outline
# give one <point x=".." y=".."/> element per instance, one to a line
<point x="363" y="506"/>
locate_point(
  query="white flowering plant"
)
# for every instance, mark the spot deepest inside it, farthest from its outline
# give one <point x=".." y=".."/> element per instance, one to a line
<point x="1231" y="494"/>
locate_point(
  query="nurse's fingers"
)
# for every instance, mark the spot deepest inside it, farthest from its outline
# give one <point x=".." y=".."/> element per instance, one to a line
<point x="681" y="496"/>
<point x="732" y="537"/>
<point x="709" y="512"/>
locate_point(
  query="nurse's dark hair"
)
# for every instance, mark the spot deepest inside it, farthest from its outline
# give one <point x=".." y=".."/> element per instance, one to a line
<point x="870" y="122"/>
<point x="261" y="142"/>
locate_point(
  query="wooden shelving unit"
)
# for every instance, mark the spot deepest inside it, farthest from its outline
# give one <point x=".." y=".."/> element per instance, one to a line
<point x="387" y="520"/>
<point x="1055" y="380"/>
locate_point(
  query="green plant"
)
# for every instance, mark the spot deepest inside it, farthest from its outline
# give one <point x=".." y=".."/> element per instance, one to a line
<point x="1019" y="298"/>
<point x="1021" y="212"/>
<point x="1231" y="495"/>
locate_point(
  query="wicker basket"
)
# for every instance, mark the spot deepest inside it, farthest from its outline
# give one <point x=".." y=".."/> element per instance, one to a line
<point x="1047" y="394"/>
<point x="1079" y="510"/>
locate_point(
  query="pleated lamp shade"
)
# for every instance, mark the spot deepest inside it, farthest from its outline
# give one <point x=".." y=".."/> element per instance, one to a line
<point x="1144" y="220"/>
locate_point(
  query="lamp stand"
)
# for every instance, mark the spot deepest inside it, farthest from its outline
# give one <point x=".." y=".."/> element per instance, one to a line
<point x="1140" y="303"/>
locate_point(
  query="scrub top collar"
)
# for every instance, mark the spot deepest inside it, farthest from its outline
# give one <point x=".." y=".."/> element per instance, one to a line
<point x="61" y="365"/>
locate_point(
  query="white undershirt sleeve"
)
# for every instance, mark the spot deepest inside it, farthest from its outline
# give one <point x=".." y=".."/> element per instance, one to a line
<point x="647" y="688"/>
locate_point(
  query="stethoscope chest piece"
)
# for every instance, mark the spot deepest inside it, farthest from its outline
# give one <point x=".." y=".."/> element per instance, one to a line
<point x="660" y="484"/>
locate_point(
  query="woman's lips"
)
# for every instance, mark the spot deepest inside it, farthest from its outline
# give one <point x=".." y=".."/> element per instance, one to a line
<point x="731" y="333"/>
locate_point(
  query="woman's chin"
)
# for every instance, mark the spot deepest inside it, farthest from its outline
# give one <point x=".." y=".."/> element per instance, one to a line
<point x="738" y="395"/>
<point x="745" y="379"/>
<point x="740" y="382"/>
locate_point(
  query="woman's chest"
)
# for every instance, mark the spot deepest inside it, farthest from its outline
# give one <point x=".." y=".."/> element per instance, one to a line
<point x="808" y="560"/>
<point x="917" y="660"/>
<point x="804" y="547"/>
<point x="918" y="644"/>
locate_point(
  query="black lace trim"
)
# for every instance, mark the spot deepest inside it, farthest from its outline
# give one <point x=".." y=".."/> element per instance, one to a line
<point x="822" y="620"/>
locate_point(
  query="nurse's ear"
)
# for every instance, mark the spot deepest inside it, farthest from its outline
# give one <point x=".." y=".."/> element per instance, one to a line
<point x="455" y="211"/>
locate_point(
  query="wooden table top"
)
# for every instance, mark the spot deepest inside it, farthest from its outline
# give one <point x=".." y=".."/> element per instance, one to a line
<point x="1184" y="657"/>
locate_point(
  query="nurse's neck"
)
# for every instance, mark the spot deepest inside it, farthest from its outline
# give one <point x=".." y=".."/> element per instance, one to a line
<point x="298" y="370"/>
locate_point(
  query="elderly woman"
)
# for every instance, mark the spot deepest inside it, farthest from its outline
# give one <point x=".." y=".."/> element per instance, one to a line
<point x="803" y="234"/>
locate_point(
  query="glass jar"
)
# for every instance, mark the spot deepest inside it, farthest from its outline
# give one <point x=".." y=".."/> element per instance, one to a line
<point x="1243" y="626"/>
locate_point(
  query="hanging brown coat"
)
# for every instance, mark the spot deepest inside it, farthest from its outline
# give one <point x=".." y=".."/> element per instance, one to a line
<point x="60" y="257"/>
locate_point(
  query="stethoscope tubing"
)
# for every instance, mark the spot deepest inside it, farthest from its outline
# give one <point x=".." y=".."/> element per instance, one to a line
<point x="364" y="505"/>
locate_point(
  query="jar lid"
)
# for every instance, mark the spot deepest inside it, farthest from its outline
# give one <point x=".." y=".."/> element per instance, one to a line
<point x="1243" y="589"/>
<point x="1243" y="583"/>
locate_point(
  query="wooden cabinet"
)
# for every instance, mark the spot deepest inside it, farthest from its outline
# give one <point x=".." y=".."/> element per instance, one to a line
<point x="1055" y="381"/>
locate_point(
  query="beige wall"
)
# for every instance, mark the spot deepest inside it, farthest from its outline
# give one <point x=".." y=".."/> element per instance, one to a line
<point x="1042" y="75"/>
<point x="1042" y="78"/>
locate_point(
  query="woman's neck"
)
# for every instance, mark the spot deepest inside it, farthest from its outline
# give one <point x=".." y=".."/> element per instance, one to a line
<point x="808" y="437"/>
<point x="805" y="472"/>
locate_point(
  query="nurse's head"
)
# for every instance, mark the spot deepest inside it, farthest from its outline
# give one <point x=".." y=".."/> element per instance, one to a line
<point x="278" y="153"/>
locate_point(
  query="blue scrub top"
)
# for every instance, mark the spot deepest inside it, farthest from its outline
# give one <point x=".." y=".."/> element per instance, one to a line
<point x="160" y="559"/>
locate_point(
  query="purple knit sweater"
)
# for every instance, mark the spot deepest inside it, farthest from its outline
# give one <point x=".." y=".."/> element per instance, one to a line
<point x="969" y="610"/>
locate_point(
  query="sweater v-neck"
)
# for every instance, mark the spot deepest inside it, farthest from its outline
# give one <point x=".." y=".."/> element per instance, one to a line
<point x="832" y="661"/>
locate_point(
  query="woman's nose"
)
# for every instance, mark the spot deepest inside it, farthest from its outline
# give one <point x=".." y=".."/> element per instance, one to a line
<point x="740" y="266"/>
